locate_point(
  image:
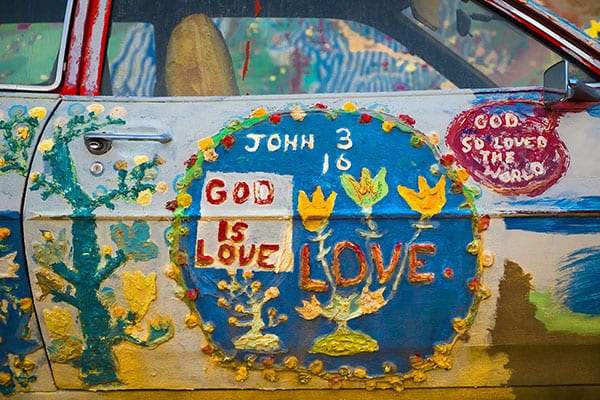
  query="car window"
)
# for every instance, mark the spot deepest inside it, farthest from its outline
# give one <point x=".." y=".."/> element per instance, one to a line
<point x="189" y="48"/>
<point x="33" y="38"/>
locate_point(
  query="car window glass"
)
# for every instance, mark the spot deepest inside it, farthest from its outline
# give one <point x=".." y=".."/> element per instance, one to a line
<point x="32" y="40"/>
<point x="189" y="48"/>
<point x="501" y="50"/>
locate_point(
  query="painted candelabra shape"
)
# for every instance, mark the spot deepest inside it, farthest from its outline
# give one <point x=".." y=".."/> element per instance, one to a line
<point x="103" y="323"/>
<point x="343" y="305"/>
<point x="246" y="300"/>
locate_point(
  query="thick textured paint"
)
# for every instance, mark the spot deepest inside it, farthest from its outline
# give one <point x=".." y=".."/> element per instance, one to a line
<point x="341" y="301"/>
<point x="101" y="326"/>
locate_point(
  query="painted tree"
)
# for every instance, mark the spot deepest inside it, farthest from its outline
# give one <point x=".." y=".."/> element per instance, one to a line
<point x="246" y="299"/>
<point x="80" y="284"/>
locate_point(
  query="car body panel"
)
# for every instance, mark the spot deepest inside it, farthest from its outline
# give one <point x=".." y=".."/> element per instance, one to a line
<point x="420" y="240"/>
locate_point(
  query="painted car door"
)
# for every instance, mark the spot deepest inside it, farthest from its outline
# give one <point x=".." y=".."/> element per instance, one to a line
<point x="23" y="362"/>
<point x="426" y="238"/>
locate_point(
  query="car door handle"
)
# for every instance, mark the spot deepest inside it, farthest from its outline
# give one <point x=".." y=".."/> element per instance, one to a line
<point x="101" y="142"/>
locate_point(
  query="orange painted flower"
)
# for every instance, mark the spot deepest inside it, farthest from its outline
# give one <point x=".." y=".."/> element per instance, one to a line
<point x="310" y="310"/>
<point x="371" y="302"/>
<point x="315" y="214"/>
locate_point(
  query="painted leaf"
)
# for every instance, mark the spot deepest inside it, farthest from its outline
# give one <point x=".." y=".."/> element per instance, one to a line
<point x="134" y="240"/>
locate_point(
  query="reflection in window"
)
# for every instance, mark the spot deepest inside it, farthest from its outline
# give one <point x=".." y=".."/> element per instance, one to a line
<point x="322" y="56"/>
<point x="32" y="43"/>
<point x="286" y="55"/>
<point x="132" y="59"/>
<point x="28" y="52"/>
<point x="488" y="42"/>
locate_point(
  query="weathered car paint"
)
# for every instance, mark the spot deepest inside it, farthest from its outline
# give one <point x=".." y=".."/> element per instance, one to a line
<point x="23" y="363"/>
<point x="154" y="231"/>
<point x="150" y="223"/>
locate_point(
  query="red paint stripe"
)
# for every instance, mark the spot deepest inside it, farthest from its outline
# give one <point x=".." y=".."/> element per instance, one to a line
<point x="93" y="56"/>
<point x="246" y="60"/>
<point x="75" y="55"/>
<point x="257" y="8"/>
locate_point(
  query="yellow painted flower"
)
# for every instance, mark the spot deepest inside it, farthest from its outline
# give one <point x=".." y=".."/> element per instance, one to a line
<point x="349" y="106"/>
<point x="291" y="362"/>
<point x="387" y="126"/>
<point x="25" y="364"/>
<point x="106" y="250"/>
<point x="23" y="132"/>
<point x="315" y="214"/>
<point x="239" y="308"/>
<point x="298" y="114"/>
<point x="255" y="286"/>
<point x="140" y="292"/>
<point x="95" y="108"/>
<point x="434" y="138"/>
<point x="310" y="310"/>
<point x="118" y="312"/>
<point x="271" y="293"/>
<point x="428" y="201"/>
<point x="594" y="29"/>
<point x="37" y="112"/>
<point x="192" y="320"/>
<point x="371" y="302"/>
<point x="247" y="275"/>
<point x="184" y="200"/>
<point x="58" y="321"/>
<point x="222" y="285"/>
<point x="242" y="374"/>
<point x="210" y="155"/>
<point x="47" y="235"/>
<point x="487" y="258"/>
<point x="118" y="112"/>
<point x="462" y="174"/>
<point x="316" y="367"/>
<point x="205" y="144"/>
<point x="411" y="68"/>
<point x="4" y="233"/>
<point x="5" y="378"/>
<point x="171" y="270"/>
<point x="221" y="302"/>
<point x="46" y="145"/>
<point x="258" y="113"/>
<point x="26" y="304"/>
<point x="120" y="164"/>
<point x="460" y="325"/>
<point x="34" y="176"/>
<point x="140" y="159"/>
<point x="360" y="373"/>
<point x="162" y="187"/>
<point x="144" y="197"/>
<point x="2" y="162"/>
